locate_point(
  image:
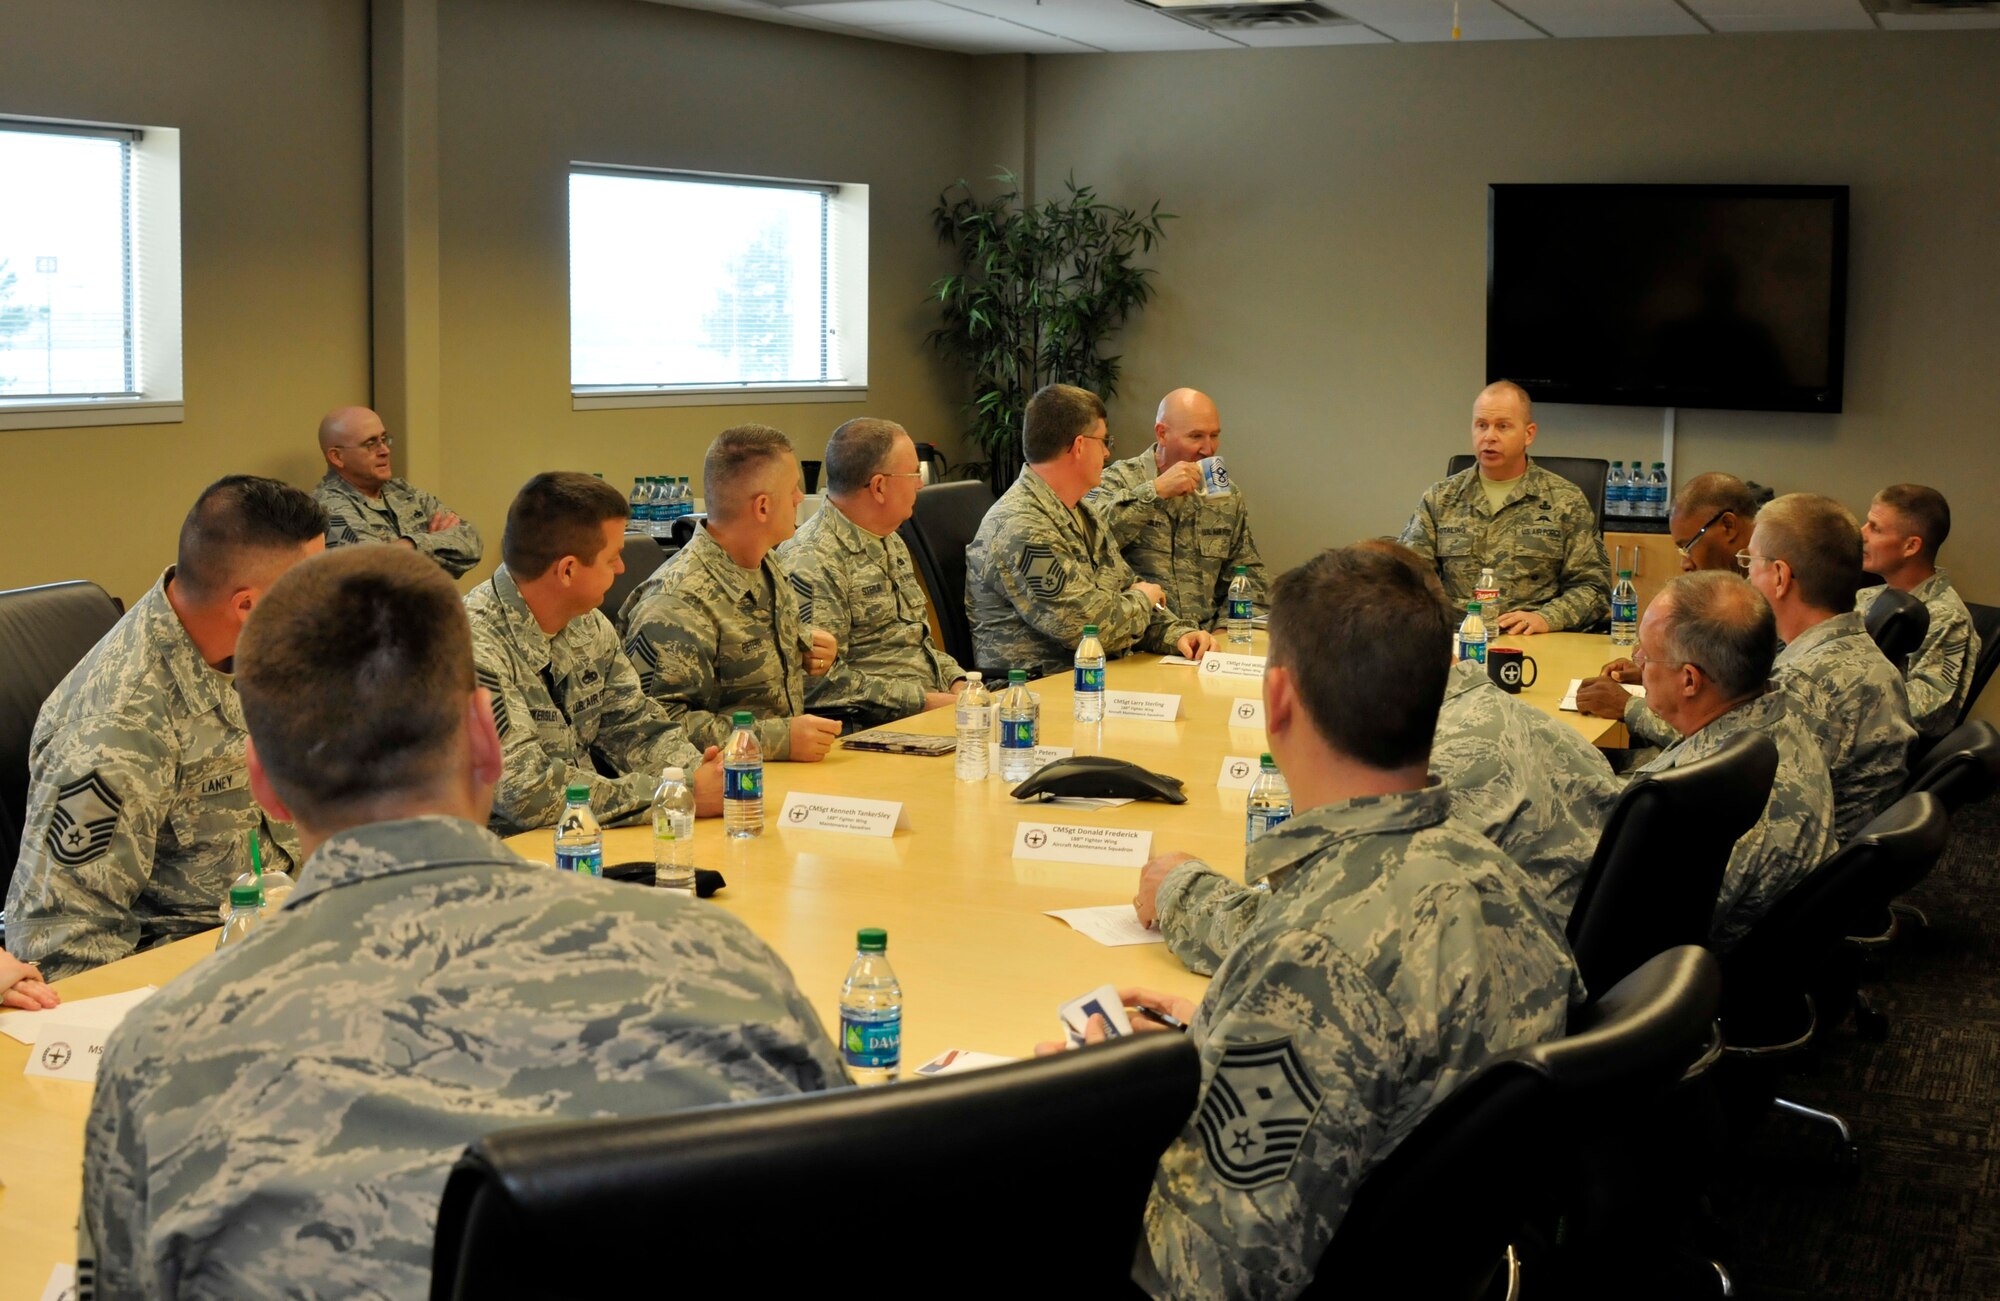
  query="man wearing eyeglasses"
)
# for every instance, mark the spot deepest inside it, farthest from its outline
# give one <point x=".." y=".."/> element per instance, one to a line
<point x="365" y="502"/>
<point x="854" y="579"/>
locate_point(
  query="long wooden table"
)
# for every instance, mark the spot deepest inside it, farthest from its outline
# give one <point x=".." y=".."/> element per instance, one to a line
<point x="981" y="967"/>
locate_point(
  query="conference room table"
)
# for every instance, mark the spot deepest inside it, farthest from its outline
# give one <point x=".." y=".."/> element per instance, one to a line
<point x="981" y="966"/>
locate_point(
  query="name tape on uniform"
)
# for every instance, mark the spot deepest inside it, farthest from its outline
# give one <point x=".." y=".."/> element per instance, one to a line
<point x="1239" y="772"/>
<point x="1220" y="664"/>
<point x="1057" y="842"/>
<point x="67" y="1051"/>
<point x="1156" y="706"/>
<point x="844" y="813"/>
<point x="1246" y="713"/>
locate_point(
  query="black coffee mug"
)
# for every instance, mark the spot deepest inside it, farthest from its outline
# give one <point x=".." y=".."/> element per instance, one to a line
<point x="1506" y="665"/>
<point x="810" y="470"/>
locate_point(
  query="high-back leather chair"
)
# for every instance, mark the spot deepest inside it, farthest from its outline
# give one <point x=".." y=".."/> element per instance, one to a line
<point x="1016" y="1177"/>
<point x="1963" y="768"/>
<point x="643" y="554"/>
<point x="1986" y="622"/>
<point x="44" y="631"/>
<point x="1487" y="1160"/>
<point x="1899" y="623"/>
<point x="939" y="529"/>
<point x="1586" y="472"/>
<point x="1653" y="883"/>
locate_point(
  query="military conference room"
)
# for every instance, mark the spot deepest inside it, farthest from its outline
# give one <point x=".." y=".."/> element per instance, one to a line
<point x="1246" y="649"/>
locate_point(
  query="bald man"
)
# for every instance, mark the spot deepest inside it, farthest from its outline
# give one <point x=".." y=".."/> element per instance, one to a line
<point x="364" y="502"/>
<point x="1166" y="529"/>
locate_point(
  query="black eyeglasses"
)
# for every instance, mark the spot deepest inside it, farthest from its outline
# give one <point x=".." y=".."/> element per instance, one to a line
<point x="371" y="445"/>
<point x="1106" y="440"/>
<point x="1687" y="548"/>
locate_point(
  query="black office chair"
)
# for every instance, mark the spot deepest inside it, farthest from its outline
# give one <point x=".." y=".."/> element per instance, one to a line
<point x="44" y="631"/>
<point x="1653" y="883"/>
<point x="1489" y="1162"/>
<point x="643" y="554"/>
<point x="1899" y="623"/>
<point x="1018" y="1178"/>
<point x="946" y="517"/>
<point x="1986" y="622"/>
<point x="1962" y="768"/>
<point x="1586" y="472"/>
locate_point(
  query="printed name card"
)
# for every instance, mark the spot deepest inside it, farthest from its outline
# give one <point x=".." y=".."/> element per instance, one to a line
<point x="1247" y="713"/>
<point x="1057" y="842"/>
<point x="1039" y="758"/>
<point x="67" y="1051"/>
<point x="1220" y="664"/>
<point x="1155" y="706"/>
<point x="1239" y="772"/>
<point x="843" y="813"/>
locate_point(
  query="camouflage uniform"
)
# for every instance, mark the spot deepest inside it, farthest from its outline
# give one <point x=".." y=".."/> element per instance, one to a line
<point x="710" y="637"/>
<point x="1939" y="675"/>
<point x="568" y="708"/>
<point x="864" y="590"/>
<point x="1399" y="950"/>
<point x="400" y="512"/>
<point x="1527" y="782"/>
<point x="280" y="1120"/>
<point x="1856" y="705"/>
<point x="1542" y="543"/>
<point x="1794" y="836"/>
<point x="1646" y="727"/>
<point x="1037" y="572"/>
<point x="1190" y="545"/>
<point x="139" y="808"/>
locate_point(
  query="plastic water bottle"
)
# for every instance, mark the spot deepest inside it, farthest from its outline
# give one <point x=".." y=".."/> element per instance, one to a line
<point x="742" y="780"/>
<point x="638" y="504"/>
<point x="1470" y="644"/>
<point x="1624" y="611"/>
<point x="663" y="506"/>
<point x="1487" y="590"/>
<point x="1270" y="801"/>
<point x="246" y="909"/>
<point x="673" y="832"/>
<point x="1617" y="492"/>
<point x="1656" y="491"/>
<point x="975" y="729"/>
<point x="687" y="497"/>
<point x="1240" y="610"/>
<point x="579" y="840"/>
<point x="1019" y="714"/>
<point x="674" y="507"/>
<point x="1089" y="694"/>
<point x="871" y="1012"/>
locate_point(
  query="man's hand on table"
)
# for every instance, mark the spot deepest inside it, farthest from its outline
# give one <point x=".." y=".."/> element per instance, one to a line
<point x="1147" y="902"/>
<point x="1180" y="1009"/>
<point x="21" y="985"/>
<point x="1602" y="697"/>
<point x="707" y="783"/>
<point x="1521" y="623"/>
<point x="1194" y="645"/>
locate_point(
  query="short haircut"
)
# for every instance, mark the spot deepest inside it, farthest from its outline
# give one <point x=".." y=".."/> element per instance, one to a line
<point x="1818" y="538"/>
<point x="1718" y="622"/>
<point x="558" y="513"/>
<point x="236" y="524"/>
<point x="1055" y="417"/>
<point x="1710" y="494"/>
<point x="1425" y="571"/>
<point x="1925" y="510"/>
<point x="736" y="455"/>
<point x="858" y="451"/>
<point x="354" y="671"/>
<point x="1370" y="647"/>
<point x="1508" y="388"/>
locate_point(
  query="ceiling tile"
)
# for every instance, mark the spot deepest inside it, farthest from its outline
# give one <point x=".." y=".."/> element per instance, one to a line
<point x="877" y="13"/>
<point x="1937" y="22"/>
<point x="1583" y="18"/>
<point x="975" y="35"/>
<point x="1279" y="37"/>
<point x="1782" y="15"/>
<point x="1430" y="20"/>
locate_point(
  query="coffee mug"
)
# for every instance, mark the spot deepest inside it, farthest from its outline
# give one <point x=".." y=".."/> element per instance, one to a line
<point x="1214" y="478"/>
<point x="1505" y="665"/>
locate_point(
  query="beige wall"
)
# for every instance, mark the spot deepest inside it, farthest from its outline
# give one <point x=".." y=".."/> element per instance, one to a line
<point x="1326" y="280"/>
<point x="271" y="102"/>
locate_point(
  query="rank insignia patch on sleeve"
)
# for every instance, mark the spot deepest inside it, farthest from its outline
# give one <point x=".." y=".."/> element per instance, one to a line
<point x="85" y="815"/>
<point x="1255" y="1114"/>
<point x="1043" y="573"/>
<point x="491" y="681"/>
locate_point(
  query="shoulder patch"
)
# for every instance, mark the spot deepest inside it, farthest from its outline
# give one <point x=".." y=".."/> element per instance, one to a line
<point x="85" y="815"/>
<point x="1044" y="575"/>
<point x="802" y="586"/>
<point x="645" y="658"/>
<point x="491" y="681"/>
<point x="1255" y="1114"/>
<point x="340" y="533"/>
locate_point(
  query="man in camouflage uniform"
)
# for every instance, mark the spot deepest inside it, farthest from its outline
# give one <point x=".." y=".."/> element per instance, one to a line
<point x="1534" y="528"/>
<point x="566" y="701"/>
<point x="280" y="1121"/>
<point x="1399" y="950"/>
<point x="717" y="628"/>
<point x="365" y="502"/>
<point x="138" y="815"/>
<point x="1805" y="557"/>
<point x="1705" y="649"/>
<point x="854" y="580"/>
<point x="1043" y="564"/>
<point x="1906" y="525"/>
<point x="1168" y="531"/>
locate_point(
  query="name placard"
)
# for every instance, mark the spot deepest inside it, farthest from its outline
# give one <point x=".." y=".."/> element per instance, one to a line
<point x="67" y="1051"/>
<point x="1155" y="706"/>
<point x="1220" y="664"/>
<point x="843" y="813"/>
<point x="1057" y="842"/>
<point x="1246" y="713"/>
<point x="1040" y="757"/>
<point x="1239" y="772"/>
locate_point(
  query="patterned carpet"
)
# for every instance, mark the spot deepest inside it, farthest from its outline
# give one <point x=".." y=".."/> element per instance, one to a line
<point x="1922" y="1218"/>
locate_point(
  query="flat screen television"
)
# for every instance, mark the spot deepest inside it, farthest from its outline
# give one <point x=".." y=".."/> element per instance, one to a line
<point x="1669" y="295"/>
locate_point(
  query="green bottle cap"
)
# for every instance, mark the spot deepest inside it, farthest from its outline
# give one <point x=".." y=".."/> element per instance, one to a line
<point x="246" y="896"/>
<point x="1473" y="607"/>
<point x="1243" y="569"/>
<point x="742" y="718"/>
<point x="1624" y="573"/>
<point x="1267" y="763"/>
<point x="577" y="794"/>
<point x="872" y="939"/>
<point x="1015" y="677"/>
<point x="1090" y="630"/>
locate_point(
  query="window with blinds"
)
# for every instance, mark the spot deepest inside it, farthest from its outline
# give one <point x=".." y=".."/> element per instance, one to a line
<point x="689" y="284"/>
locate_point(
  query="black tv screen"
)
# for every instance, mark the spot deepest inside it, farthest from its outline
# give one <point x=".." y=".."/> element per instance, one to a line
<point x="1669" y="295"/>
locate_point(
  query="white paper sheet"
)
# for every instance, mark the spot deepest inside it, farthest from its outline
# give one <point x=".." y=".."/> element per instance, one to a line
<point x="1113" y="925"/>
<point x="1569" y="698"/>
<point x="104" y="1012"/>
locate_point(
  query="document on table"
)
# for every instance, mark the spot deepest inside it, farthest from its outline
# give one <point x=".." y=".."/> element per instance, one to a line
<point x="100" y="1013"/>
<point x="1113" y="925"/>
<point x="1569" y="700"/>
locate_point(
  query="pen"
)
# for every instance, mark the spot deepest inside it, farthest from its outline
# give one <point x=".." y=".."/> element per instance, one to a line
<point x="1171" y="1022"/>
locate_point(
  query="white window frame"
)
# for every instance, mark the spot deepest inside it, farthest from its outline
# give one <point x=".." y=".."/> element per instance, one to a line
<point x="154" y="284"/>
<point x="847" y="257"/>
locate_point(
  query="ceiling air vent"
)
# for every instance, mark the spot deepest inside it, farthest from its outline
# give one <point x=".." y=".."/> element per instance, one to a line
<point x="1934" y="8"/>
<point x="1248" y="15"/>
